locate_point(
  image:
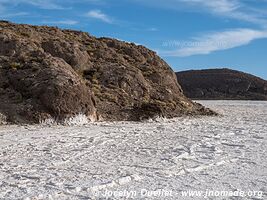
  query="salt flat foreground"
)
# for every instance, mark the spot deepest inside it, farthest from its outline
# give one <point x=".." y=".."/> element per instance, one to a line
<point x="99" y="160"/>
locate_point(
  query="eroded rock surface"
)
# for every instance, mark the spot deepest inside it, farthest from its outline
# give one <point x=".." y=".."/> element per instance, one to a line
<point x="48" y="72"/>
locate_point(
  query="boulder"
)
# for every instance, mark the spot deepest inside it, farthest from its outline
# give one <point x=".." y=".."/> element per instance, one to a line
<point x="47" y="72"/>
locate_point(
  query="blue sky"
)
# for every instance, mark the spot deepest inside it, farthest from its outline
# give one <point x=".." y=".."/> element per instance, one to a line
<point x="188" y="34"/>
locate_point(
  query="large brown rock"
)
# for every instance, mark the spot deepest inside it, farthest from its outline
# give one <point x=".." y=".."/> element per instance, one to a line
<point x="48" y="72"/>
<point x="222" y="84"/>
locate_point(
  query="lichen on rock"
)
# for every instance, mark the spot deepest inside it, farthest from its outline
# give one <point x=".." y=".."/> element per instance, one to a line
<point x="3" y="119"/>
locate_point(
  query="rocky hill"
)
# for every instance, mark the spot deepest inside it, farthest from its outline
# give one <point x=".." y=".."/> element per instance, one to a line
<point x="222" y="84"/>
<point x="46" y="72"/>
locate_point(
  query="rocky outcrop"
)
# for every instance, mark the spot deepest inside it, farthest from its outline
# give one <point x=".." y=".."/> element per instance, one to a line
<point x="46" y="72"/>
<point x="222" y="84"/>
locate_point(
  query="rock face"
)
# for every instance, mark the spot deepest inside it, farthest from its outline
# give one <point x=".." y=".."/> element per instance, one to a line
<point x="222" y="84"/>
<point x="48" y="72"/>
<point x="3" y="119"/>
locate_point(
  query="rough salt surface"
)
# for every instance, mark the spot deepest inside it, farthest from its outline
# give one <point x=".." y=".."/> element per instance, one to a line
<point x="82" y="162"/>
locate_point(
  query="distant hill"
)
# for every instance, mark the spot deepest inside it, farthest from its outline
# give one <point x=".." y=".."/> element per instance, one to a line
<point x="222" y="84"/>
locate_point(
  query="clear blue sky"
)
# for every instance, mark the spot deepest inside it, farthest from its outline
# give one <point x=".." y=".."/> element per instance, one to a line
<point x="188" y="34"/>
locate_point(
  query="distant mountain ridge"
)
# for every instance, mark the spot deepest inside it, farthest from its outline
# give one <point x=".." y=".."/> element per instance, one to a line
<point x="222" y="84"/>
